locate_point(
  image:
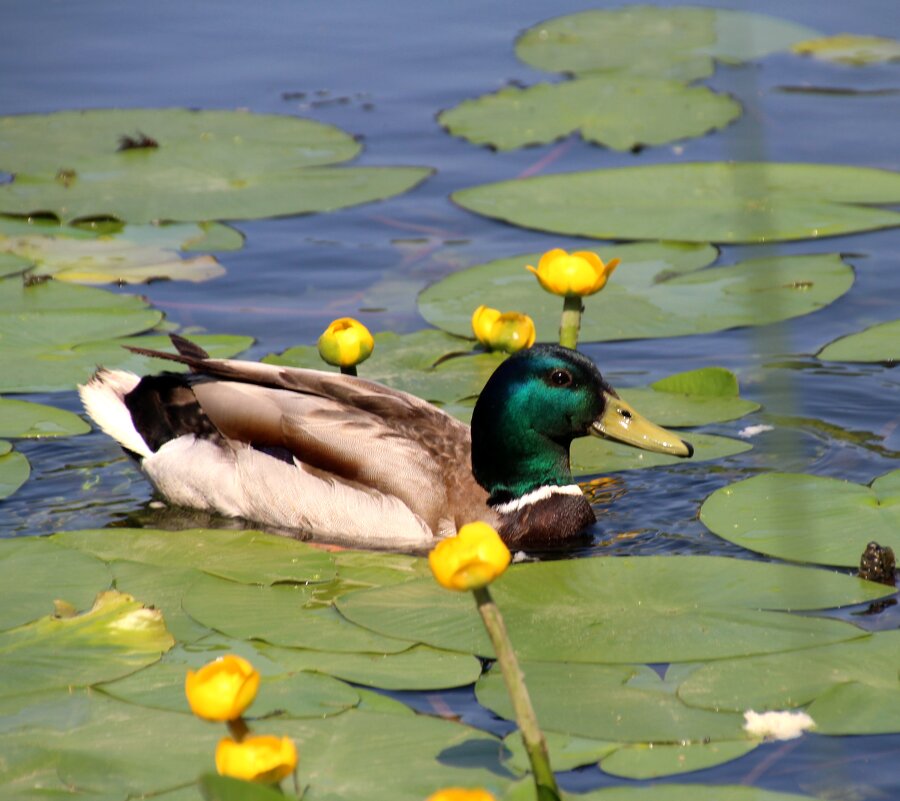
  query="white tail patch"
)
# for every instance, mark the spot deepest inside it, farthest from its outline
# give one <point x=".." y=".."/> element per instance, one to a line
<point x="103" y="396"/>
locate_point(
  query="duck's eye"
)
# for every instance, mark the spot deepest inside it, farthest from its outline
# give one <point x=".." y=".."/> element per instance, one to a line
<point x="560" y="378"/>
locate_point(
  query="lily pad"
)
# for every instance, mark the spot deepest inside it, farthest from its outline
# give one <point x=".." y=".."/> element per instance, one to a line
<point x="659" y="290"/>
<point x="650" y="40"/>
<point x="847" y="688"/>
<point x="591" y="455"/>
<point x="289" y="615"/>
<point x="117" y="636"/>
<point x="620" y="111"/>
<point x="295" y="694"/>
<point x="53" y="335"/>
<point x="202" y="165"/>
<point x="33" y="420"/>
<point x="664" y="792"/>
<point x="12" y="265"/>
<point x="252" y="557"/>
<point x="603" y="705"/>
<point x="807" y="518"/>
<point x="614" y="610"/>
<point x="14" y="469"/>
<point x="52" y="573"/>
<point x="848" y="48"/>
<point x="693" y="398"/>
<point x="418" y="668"/>
<point x="880" y="343"/>
<point x="717" y="202"/>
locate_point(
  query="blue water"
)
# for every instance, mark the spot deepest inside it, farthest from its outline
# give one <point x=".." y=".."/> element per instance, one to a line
<point x="382" y="71"/>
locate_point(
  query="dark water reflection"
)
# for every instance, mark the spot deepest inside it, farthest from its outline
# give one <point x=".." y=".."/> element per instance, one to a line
<point x="382" y="71"/>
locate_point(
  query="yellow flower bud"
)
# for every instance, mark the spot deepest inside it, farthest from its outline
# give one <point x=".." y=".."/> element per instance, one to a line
<point x="579" y="274"/>
<point x="223" y="689"/>
<point x="461" y="794"/>
<point x="262" y="758"/>
<point x="346" y="343"/>
<point x="470" y="560"/>
<point x="510" y="331"/>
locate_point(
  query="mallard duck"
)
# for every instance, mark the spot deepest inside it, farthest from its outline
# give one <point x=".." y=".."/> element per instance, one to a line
<point x="350" y="460"/>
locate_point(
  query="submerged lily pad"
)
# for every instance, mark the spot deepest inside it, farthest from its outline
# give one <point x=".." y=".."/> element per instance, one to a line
<point x="880" y="343"/>
<point x="853" y="687"/>
<point x="619" y="111"/>
<point x="117" y="636"/>
<point x="27" y="419"/>
<point x="847" y="48"/>
<point x="807" y="518"/>
<point x="186" y="165"/>
<point x="717" y="202"/>
<point x="659" y="290"/>
<point x="649" y="40"/>
<point x="52" y="573"/>
<point x="613" y="610"/>
<point x="14" y="469"/>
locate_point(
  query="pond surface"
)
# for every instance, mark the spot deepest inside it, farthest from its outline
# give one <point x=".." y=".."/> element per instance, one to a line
<point x="382" y="72"/>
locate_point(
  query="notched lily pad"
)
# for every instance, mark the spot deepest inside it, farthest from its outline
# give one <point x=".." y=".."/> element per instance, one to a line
<point x="659" y="290"/>
<point x="615" y="610"/>
<point x="807" y="518"/>
<point x="879" y="343"/>
<point x="206" y="165"/>
<point x="620" y="111"/>
<point x="650" y="40"/>
<point x="717" y="202"/>
<point x="34" y="420"/>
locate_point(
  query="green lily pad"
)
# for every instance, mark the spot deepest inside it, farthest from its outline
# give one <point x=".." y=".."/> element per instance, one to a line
<point x="32" y="420"/>
<point x="693" y="398"/>
<point x="14" y="469"/>
<point x="253" y="557"/>
<point x="117" y="636"/>
<point x="591" y="455"/>
<point x="613" y="610"/>
<point x="296" y="695"/>
<point x="664" y="792"/>
<point x="848" y="48"/>
<point x="649" y="40"/>
<point x="851" y="688"/>
<point x="207" y="165"/>
<point x="52" y="573"/>
<point x="53" y="335"/>
<point x="12" y="265"/>
<point x="807" y="518"/>
<point x="620" y="111"/>
<point x="603" y="706"/>
<point x="717" y="202"/>
<point x="223" y="788"/>
<point x="418" y="668"/>
<point x="880" y="343"/>
<point x="289" y="615"/>
<point x="659" y="290"/>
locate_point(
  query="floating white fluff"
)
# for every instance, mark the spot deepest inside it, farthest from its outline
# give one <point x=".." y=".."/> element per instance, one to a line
<point x="777" y="725"/>
<point x="752" y="431"/>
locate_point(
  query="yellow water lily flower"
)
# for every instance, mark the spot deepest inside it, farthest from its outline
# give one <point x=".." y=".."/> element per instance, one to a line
<point x="263" y="758"/>
<point x="223" y="689"/>
<point x="461" y="794"/>
<point x="576" y="274"/>
<point x="470" y="560"/>
<point x="507" y="331"/>
<point x="346" y="343"/>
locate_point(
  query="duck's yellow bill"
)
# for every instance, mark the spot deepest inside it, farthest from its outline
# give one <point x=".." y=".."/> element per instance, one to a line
<point x="620" y="422"/>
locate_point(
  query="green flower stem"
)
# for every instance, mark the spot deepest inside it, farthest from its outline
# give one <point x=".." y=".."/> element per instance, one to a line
<point x="532" y="736"/>
<point x="571" y="321"/>
<point x="351" y="370"/>
<point x="238" y="729"/>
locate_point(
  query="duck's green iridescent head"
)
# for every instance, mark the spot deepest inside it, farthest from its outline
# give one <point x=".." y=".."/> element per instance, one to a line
<point x="531" y="409"/>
